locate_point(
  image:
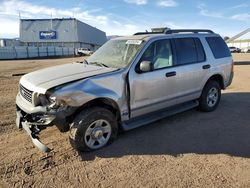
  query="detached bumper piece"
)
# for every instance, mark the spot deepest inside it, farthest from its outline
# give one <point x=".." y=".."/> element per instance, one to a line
<point x="32" y="131"/>
<point x="35" y="139"/>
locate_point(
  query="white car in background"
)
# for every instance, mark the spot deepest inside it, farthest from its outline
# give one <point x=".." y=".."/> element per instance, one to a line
<point x="84" y="51"/>
<point x="234" y="49"/>
<point x="246" y="50"/>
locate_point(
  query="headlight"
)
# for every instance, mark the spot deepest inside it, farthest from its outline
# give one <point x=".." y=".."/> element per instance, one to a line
<point x="43" y="100"/>
<point x="39" y="99"/>
<point x="55" y="104"/>
<point x="52" y="102"/>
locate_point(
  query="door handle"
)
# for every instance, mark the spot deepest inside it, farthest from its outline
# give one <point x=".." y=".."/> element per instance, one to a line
<point x="206" y="66"/>
<point x="169" y="74"/>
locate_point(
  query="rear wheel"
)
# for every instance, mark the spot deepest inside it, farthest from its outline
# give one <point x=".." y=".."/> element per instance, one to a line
<point x="93" y="128"/>
<point x="210" y="96"/>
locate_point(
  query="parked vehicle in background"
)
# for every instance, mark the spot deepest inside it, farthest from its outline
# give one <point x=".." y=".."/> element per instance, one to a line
<point x="128" y="82"/>
<point x="84" y="51"/>
<point x="246" y="50"/>
<point x="234" y="49"/>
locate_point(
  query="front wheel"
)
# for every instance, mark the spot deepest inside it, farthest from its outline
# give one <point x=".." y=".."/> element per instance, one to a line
<point x="210" y="96"/>
<point x="93" y="129"/>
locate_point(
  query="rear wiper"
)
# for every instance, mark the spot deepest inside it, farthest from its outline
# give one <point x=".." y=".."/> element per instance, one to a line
<point x="99" y="64"/>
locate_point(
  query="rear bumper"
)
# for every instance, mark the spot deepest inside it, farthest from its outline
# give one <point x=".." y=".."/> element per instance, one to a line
<point x="230" y="79"/>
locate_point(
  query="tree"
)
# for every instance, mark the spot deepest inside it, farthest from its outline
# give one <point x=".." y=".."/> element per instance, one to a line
<point x="226" y="38"/>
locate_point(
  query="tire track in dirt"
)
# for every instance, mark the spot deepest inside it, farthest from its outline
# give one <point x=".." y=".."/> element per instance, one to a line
<point x="30" y="167"/>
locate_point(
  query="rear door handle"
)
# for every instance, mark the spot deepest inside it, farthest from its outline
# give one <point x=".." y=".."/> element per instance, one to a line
<point x="169" y="74"/>
<point x="206" y="66"/>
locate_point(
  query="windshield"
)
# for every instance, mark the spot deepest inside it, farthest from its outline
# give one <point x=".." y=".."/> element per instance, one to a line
<point x="116" y="53"/>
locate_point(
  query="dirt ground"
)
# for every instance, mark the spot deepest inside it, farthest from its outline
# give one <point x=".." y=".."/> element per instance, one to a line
<point x="191" y="149"/>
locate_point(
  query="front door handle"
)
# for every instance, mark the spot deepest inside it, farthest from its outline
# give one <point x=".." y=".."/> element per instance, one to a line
<point x="206" y="66"/>
<point x="169" y="74"/>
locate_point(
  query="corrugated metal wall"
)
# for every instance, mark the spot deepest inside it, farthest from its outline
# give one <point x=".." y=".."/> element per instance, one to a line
<point x="69" y="32"/>
<point x="90" y="35"/>
<point x="239" y="44"/>
<point x="65" y="30"/>
<point x="20" y="52"/>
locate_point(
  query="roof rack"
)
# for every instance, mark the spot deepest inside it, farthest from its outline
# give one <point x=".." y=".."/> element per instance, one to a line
<point x="171" y="31"/>
<point x="147" y="33"/>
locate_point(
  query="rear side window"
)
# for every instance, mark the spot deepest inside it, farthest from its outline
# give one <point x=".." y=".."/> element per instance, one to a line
<point x="189" y="50"/>
<point x="218" y="47"/>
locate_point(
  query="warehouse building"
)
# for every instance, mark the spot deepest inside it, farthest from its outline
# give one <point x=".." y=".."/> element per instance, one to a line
<point x="241" y="40"/>
<point x="65" y="32"/>
<point x="9" y="42"/>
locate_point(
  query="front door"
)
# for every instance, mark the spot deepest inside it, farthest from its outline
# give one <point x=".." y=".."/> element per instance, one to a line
<point x="153" y="90"/>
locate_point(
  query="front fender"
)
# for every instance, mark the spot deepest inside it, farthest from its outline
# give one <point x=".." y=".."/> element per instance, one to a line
<point x="79" y="93"/>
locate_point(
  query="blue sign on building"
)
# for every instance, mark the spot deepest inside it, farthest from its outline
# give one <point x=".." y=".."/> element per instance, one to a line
<point x="47" y="35"/>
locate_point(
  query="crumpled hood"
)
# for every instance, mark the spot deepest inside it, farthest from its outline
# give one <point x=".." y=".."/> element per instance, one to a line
<point x="42" y="80"/>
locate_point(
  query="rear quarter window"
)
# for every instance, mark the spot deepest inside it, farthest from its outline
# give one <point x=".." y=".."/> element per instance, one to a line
<point x="218" y="47"/>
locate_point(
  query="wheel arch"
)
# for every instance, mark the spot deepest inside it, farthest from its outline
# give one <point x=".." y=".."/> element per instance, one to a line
<point x="219" y="78"/>
<point x="107" y="103"/>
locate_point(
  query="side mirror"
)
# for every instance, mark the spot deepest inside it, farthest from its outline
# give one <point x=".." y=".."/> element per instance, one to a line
<point x="146" y="66"/>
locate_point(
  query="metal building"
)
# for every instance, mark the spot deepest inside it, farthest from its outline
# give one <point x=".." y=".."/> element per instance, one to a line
<point x="65" y="32"/>
<point x="241" y="40"/>
<point x="5" y="42"/>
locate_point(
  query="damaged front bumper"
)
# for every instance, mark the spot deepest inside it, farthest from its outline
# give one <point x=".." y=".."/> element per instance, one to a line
<point x="32" y="129"/>
<point x="33" y="119"/>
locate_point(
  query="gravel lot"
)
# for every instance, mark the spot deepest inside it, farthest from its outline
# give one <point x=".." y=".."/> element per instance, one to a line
<point x="191" y="149"/>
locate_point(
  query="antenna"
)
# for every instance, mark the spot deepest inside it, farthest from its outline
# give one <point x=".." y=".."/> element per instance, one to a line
<point x="20" y="25"/>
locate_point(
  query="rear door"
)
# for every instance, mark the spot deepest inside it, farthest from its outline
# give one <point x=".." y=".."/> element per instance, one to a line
<point x="191" y="68"/>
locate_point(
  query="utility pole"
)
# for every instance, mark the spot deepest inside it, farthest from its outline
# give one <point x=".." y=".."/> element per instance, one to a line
<point x="51" y="26"/>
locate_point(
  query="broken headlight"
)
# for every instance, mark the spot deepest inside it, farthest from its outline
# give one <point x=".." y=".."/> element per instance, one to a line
<point x="55" y="104"/>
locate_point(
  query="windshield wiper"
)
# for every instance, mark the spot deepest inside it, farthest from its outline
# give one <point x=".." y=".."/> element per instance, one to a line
<point x="84" y="61"/>
<point x="99" y="64"/>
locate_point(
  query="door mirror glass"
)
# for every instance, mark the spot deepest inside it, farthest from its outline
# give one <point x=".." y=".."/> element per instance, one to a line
<point x="146" y="66"/>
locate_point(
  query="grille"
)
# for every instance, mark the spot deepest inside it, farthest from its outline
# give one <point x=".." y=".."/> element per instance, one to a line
<point x="26" y="94"/>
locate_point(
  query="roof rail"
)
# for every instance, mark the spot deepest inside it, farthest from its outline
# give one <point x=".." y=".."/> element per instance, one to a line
<point x="171" y="31"/>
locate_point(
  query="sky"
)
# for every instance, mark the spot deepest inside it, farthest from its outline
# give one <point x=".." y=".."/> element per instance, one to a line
<point x="125" y="17"/>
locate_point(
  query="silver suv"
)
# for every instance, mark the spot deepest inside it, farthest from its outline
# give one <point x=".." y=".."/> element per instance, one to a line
<point x="128" y="82"/>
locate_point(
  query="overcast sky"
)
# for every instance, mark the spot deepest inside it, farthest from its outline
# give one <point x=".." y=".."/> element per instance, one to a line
<point x="125" y="17"/>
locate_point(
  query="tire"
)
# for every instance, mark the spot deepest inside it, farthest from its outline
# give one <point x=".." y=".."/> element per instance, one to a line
<point x="62" y="128"/>
<point x="210" y="97"/>
<point x="93" y="129"/>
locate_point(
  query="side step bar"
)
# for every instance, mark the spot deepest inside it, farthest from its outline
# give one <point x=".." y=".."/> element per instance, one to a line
<point x="149" y="118"/>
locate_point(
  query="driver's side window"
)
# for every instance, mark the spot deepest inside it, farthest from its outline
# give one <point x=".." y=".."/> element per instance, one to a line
<point x="159" y="53"/>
